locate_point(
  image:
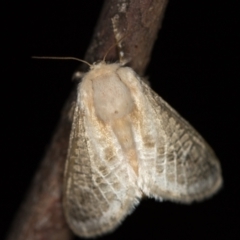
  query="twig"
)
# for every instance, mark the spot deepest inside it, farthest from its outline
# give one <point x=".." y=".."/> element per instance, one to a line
<point x="41" y="216"/>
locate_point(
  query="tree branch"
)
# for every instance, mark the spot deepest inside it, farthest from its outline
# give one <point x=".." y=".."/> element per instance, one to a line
<point x="41" y="216"/>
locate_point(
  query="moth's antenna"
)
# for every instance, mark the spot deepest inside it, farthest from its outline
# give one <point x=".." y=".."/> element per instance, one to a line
<point x="63" y="58"/>
<point x="115" y="44"/>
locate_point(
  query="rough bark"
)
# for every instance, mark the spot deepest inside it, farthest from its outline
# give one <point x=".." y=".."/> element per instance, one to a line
<point x="41" y="215"/>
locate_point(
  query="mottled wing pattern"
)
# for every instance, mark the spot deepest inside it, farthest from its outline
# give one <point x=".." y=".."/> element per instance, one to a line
<point x="99" y="191"/>
<point x="119" y="150"/>
<point x="181" y="166"/>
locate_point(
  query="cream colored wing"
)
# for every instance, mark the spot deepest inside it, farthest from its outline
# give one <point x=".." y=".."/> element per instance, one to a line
<point x="99" y="186"/>
<point x="175" y="162"/>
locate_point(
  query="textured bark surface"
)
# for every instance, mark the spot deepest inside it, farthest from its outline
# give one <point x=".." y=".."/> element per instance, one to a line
<point x="41" y="216"/>
<point x="137" y="22"/>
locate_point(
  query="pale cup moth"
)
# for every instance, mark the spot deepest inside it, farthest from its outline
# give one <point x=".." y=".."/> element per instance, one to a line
<point x="126" y="142"/>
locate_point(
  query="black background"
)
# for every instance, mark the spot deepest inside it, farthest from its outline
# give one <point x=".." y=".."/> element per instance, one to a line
<point x="195" y="67"/>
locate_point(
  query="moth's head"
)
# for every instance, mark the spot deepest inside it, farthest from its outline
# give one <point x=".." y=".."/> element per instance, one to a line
<point x="101" y="69"/>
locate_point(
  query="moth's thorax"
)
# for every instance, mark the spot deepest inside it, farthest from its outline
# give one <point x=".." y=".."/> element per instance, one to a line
<point x="109" y="100"/>
<point x="111" y="97"/>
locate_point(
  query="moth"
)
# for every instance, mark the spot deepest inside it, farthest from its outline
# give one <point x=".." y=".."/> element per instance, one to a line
<point x="126" y="142"/>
